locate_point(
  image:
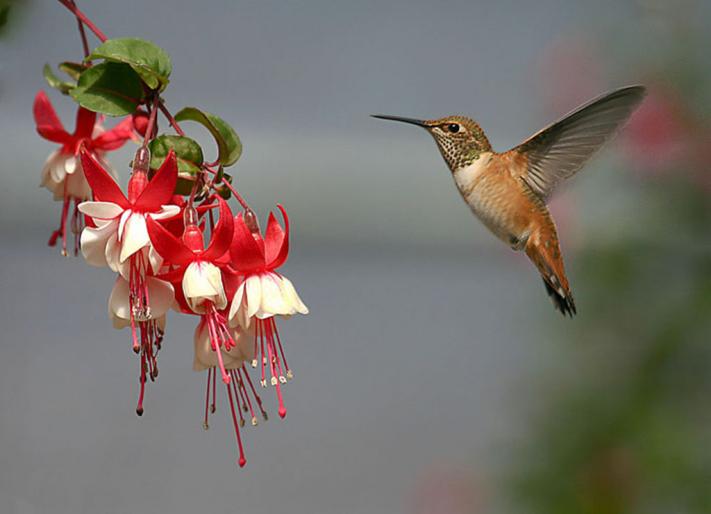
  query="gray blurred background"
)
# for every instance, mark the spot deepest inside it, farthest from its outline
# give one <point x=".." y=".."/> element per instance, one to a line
<point x="416" y="371"/>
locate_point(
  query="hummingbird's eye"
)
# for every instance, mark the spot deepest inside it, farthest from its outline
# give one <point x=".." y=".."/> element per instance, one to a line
<point x="453" y="128"/>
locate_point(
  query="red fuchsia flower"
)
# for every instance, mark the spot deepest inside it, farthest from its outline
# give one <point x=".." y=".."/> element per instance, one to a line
<point x="202" y="292"/>
<point x="120" y="241"/>
<point x="264" y="294"/>
<point x="62" y="173"/>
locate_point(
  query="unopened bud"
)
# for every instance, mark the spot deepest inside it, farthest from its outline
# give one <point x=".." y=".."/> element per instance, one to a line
<point x="250" y="219"/>
<point x="142" y="160"/>
<point x="190" y="216"/>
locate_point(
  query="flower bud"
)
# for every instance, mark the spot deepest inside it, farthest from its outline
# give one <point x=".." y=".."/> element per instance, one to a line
<point x="250" y="219"/>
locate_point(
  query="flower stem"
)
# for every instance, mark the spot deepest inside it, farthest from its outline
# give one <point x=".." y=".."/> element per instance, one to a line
<point x="237" y="196"/>
<point x="150" y="129"/>
<point x="170" y="118"/>
<point x="82" y="33"/>
<point x="69" y="4"/>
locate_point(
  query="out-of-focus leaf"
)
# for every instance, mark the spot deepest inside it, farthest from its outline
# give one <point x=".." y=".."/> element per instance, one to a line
<point x="187" y="151"/>
<point x="55" y="82"/>
<point x="109" y="88"/>
<point x="4" y="14"/>
<point x="73" y="69"/>
<point x="228" y="143"/>
<point x="149" y="60"/>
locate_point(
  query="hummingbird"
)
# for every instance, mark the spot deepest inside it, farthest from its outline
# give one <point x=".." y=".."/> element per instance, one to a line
<point x="509" y="191"/>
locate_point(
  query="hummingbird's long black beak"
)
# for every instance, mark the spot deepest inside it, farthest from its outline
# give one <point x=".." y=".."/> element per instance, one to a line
<point x="411" y="121"/>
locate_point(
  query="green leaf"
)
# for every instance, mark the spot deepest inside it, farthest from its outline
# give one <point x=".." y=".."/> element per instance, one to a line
<point x="228" y="144"/>
<point x="187" y="151"/>
<point x="149" y="60"/>
<point x="55" y="82"/>
<point x="109" y="88"/>
<point x="73" y="69"/>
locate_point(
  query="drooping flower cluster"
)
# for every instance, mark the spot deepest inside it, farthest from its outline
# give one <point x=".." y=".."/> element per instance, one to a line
<point x="155" y="243"/>
<point x="170" y="236"/>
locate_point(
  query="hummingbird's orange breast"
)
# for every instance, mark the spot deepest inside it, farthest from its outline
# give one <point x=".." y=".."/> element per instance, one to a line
<point x="496" y="195"/>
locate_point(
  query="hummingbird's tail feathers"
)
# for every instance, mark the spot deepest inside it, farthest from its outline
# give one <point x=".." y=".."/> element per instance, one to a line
<point x="545" y="254"/>
<point x="564" y="303"/>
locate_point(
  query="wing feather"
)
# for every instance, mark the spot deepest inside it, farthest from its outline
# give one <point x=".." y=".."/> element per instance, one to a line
<point x="558" y="151"/>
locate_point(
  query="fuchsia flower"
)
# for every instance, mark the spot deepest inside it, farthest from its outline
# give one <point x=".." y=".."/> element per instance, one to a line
<point x="120" y="241"/>
<point x="62" y="173"/>
<point x="198" y="271"/>
<point x="202" y="292"/>
<point x="264" y="294"/>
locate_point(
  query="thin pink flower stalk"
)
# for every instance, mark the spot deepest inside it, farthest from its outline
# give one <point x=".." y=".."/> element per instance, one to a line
<point x="62" y="173"/>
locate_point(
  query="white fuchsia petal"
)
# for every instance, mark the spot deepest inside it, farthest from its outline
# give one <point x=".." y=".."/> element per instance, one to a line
<point x="70" y="164"/>
<point x="94" y="241"/>
<point x="119" y="305"/>
<point x="237" y="301"/>
<point x="135" y="236"/>
<point x="77" y="186"/>
<point x="57" y="171"/>
<point x="160" y="296"/>
<point x="291" y="297"/>
<point x="100" y="210"/>
<point x="205" y="357"/>
<point x="155" y="259"/>
<point x="47" y="169"/>
<point x="113" y="249"/>
<point x="160" y="299"/>
<point x="253" y="289"/>
<point x="166" y="211"/>
<point x="122" y="222"/>
<point x="272" y="301"/>
<point x="203" y="281"/>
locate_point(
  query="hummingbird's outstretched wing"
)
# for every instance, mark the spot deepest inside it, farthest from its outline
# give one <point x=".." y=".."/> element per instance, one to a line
<point x="561" y="149"/>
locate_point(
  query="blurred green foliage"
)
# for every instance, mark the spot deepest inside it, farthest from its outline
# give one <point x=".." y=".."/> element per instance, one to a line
<point x="627" y="431"/>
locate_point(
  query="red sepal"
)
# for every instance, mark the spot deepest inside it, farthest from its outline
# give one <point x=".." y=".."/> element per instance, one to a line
<point x="48" y="124"/>
<point x="86" y="120"/>
<point x="159" y="190"/>
<point x="247" y="254"/>
<point x="221" y="237"/>
<point x="104" y="187"/>
<point x="167" y="245"/>
<point x="231" y="281"/>
<point x="277" y="240"/>
<point x="114" y="138"/>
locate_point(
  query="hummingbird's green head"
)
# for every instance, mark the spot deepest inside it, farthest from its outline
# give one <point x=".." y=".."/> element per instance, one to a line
<point x="460" y="140"/>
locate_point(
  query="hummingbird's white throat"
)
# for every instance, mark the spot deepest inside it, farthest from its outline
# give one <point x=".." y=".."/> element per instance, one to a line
<point x="466" y="176"/>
